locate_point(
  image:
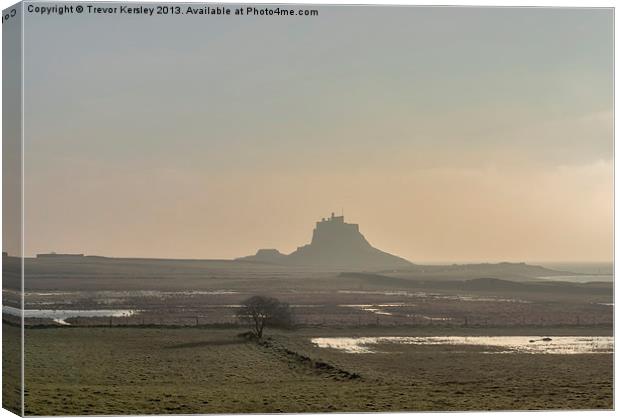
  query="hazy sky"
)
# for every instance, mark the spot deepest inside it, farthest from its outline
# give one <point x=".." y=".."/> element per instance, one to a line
<point x="448" y="134"/>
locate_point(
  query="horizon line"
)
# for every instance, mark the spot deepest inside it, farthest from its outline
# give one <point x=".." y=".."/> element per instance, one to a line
<point x="420" y="262"/>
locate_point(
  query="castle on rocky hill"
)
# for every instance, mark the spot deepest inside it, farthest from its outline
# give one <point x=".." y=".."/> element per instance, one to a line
<point x="335" y="244"/>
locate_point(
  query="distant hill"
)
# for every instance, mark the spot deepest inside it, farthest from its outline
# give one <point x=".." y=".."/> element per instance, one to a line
<point x="484" y="285"/>
<point x="512" y="271"/>
<point x="335" y="244"/>
<point x="265" y="255"/>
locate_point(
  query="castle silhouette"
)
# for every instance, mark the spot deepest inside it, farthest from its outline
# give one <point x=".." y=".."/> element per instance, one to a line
<point x="335" y="244"/>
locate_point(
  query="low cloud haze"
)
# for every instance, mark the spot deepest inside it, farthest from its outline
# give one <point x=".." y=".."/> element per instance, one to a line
<point x="446" y="133"/>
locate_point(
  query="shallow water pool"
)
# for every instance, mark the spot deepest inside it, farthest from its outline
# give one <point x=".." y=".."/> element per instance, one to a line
<point x="506" y="344"/>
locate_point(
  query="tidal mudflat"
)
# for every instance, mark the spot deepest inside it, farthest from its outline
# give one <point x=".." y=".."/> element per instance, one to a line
<point x="142" y="339"/>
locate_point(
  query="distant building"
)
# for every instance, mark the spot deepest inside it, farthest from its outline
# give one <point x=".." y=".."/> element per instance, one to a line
<point x="334" y="227"/>
<point x="333" y="218"/>
<point x="56" y="255"/>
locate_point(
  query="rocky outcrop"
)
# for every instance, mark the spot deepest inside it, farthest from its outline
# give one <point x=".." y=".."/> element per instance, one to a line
<point x="335" y="244"/>
<point x="265" y="255"/>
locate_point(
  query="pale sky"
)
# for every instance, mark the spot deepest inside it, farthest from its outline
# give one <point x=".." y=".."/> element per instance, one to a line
<point x="464" y="134"/>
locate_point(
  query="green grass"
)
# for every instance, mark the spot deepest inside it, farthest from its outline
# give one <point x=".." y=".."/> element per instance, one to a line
<point x="177" y="371"/>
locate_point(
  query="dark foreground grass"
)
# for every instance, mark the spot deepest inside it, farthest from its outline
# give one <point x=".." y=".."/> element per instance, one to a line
<point x="11" y="369"/>
<point x="178" y="371"/>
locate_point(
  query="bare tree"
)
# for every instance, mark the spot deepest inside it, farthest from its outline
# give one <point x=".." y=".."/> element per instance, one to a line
<point x="262" y="311"/>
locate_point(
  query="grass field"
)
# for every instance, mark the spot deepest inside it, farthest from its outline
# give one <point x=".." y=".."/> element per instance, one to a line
<point x="11" y="368"/>
<point x="192" y="370"/>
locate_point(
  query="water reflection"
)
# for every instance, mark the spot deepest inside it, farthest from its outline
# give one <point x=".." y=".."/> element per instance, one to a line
<point x="61" y="315"/>
<point x="509" y="344"/>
